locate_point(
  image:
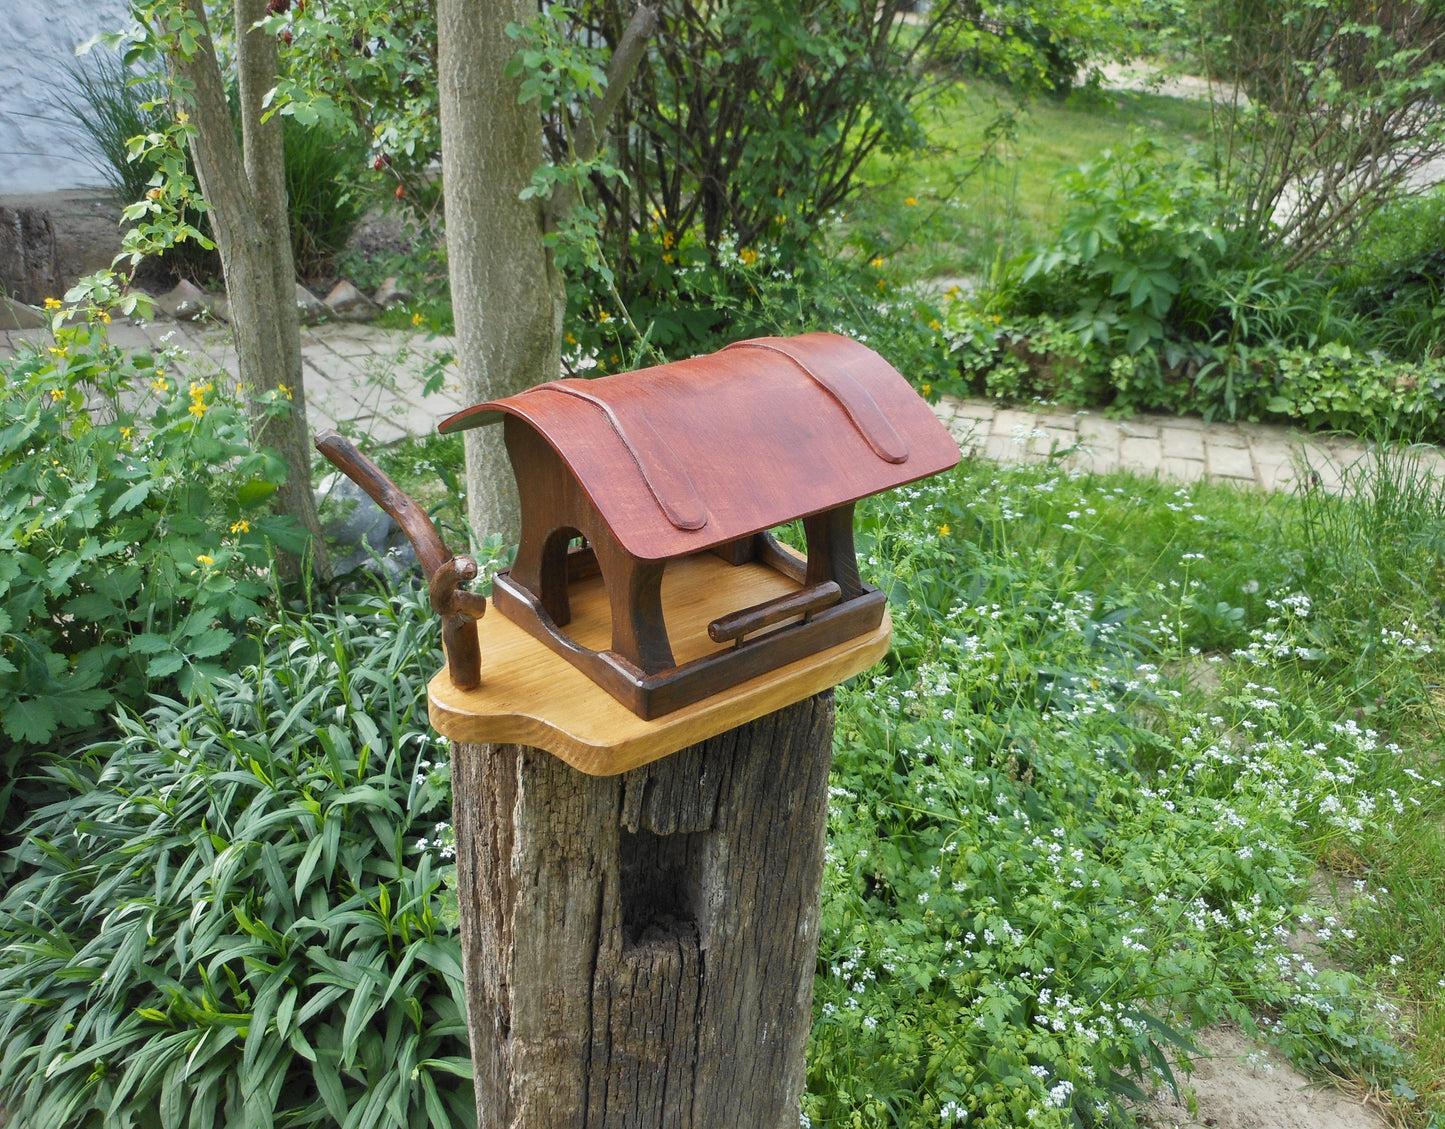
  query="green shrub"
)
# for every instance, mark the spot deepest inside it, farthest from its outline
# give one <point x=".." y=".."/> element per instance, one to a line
<point x="133" y="534"/>
<point x="111" y="104"/>
<point x="229" y="920"/>
<point x="108" y="104"/>
<point x="323" y="194"/>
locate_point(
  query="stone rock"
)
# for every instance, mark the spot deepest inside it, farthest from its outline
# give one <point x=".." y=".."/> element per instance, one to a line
<point x="186" y="302"/>
<point x="29" y="267"/>
<point x="308" y="306"/>
<point x="349" y="304"/>
<point x="391" y="293"/>
<point x="351" y="518"/>
<point x="17" y="315"/>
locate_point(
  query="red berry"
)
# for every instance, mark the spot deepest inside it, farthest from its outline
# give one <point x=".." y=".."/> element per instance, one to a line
<point x="276" y="7"/>
<point x="287" y="37"/>
<point x="400" y="192"/>
<point x="378" y="164"/>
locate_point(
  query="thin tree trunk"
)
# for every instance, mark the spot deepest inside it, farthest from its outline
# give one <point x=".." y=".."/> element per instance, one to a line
<point x="246" y="190"/>
<point x="640" y="949"/>
<point x="507" y="296"/>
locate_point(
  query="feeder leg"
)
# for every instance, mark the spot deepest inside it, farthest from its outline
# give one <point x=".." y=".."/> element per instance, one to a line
<point x="640" y="949"/>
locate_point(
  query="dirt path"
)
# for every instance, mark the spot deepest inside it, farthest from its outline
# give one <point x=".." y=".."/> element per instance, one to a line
<point x="1241" y="1086"/>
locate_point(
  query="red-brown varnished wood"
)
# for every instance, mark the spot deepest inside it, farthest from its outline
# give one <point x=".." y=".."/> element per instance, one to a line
<point x="759" y="438"/>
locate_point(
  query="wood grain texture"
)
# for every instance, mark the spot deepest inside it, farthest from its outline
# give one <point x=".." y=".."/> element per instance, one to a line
<point x="533" y="696"/>
<point x="640" y="949"/>
<point x="764" y="431"/>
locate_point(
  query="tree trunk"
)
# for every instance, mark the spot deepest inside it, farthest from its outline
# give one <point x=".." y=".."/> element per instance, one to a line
<point x="507" y="296"/>
<point x="640" y="949"/>
<point x="246" y="189"/>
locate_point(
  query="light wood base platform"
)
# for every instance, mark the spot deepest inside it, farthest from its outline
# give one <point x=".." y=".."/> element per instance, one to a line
<point x="532" y="696"/>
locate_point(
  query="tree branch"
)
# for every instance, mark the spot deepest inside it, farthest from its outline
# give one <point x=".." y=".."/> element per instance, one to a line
<point x="626" y="58"/>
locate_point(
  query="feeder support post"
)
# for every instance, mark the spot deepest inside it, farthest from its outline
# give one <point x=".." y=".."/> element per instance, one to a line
<point x="640" y="949"/>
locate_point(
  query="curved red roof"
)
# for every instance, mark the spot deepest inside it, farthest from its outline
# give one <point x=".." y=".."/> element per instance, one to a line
<point x="692" y="454"/>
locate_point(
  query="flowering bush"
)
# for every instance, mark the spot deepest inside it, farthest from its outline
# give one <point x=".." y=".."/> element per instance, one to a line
<point x="133" y="531"/>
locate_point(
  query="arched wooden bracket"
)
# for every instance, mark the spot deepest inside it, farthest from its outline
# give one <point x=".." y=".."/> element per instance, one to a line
<point x="459" y="608"/>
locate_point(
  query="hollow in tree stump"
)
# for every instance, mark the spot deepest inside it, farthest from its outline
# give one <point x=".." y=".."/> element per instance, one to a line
<point x="640" y="949"/>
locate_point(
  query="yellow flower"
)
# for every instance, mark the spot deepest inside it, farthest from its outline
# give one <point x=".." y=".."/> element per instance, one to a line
<point x="882" y="285"/>
<point x="748" y="256"/>
<point x="52" y="303"/>
<point x="604" y="316"/>
<point x="242" y="526"/>
<point x="416" y="318"/>
<point x="197" y="408"/>
<point x="59" y="350"/>
<point x="198" y="389"/>
<point x="127" y="432"/>
<point x="182" y="117"/>
<point x="878" y="262"/>
<point x="56" y="394"/>
<point x="935" y="325"/>
<point x="205" y="560"/>
<point x="668" y="239"/>
<point x="570" y="339"/>
<point x="997" y="318"/>
<point x="953" y="292"/>
<point x="159" y="385"/>
<point x="285" y="390"/>
<point x="780" y="218"/>
<point x="667" y="258"/>
<point x="943" y="530"/>
<point x="926" y="389"/>
<point x="105" y="316"/>
<point x="911" y="202"/>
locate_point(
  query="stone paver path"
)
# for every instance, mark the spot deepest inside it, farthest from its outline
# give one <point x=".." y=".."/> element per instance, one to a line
<point x="357" y="375"/>
<point x="371" y="380"/>
<point x="1266" y="456"/>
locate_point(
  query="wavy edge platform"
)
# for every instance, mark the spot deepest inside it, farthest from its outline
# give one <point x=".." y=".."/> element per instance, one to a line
<point x="530" y="695"/>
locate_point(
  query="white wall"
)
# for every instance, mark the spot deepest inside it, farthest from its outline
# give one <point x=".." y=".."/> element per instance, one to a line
<point x="39" y="151"/>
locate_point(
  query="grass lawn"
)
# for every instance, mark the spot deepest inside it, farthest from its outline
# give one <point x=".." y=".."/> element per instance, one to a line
<point x="988" y="182"/>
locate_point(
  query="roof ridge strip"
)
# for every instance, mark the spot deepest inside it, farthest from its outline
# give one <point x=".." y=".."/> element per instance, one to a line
<point x="675" y="495"/>
<point x="856" y="401"/>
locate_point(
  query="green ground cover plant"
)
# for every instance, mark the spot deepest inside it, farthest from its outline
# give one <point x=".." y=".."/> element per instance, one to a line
<point x="1051" y="852"/>
<point x="234" y="917"/>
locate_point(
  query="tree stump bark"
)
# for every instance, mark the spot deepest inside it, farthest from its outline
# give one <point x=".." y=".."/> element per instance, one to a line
<point x="640" y="949"/>
<point x="28" y="266"/>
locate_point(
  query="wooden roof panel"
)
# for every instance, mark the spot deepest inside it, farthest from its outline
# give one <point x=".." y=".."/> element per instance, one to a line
<point x="689" y="455"/>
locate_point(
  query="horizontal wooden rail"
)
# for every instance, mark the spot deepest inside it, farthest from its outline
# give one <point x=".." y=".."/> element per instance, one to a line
<point x="735" y="625"/>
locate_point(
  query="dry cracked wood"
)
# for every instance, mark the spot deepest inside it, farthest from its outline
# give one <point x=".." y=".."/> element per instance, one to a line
<point x="640" y="948"/>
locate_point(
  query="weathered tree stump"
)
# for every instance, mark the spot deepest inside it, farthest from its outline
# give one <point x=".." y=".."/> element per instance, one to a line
<point x="640" y="949"/>
<point x="29" y="269"/>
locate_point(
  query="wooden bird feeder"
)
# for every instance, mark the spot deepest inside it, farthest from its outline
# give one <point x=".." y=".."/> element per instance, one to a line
<point x="661" y="486"/>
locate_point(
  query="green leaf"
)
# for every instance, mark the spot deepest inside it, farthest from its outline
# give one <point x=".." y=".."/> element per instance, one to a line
<point x="213" y="642"/>
<point x="29" y="720"/>
<point x="254" y="492"/>
<point x="131" y="498"/>
<point x="163" y="666"/>
<point x="150" y="644"/>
